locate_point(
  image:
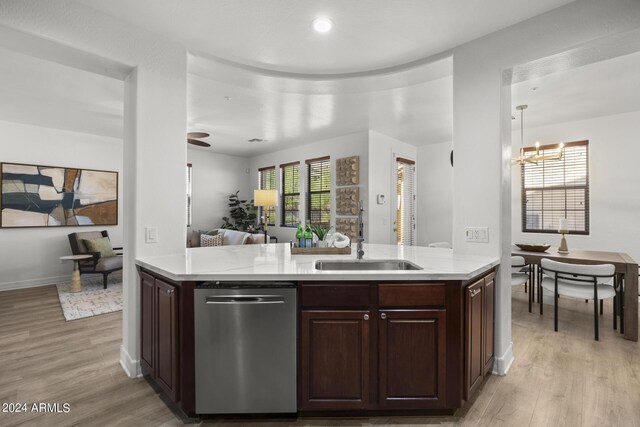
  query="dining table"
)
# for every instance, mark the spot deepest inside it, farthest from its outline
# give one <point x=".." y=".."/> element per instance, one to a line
<point x="624" y="265"/>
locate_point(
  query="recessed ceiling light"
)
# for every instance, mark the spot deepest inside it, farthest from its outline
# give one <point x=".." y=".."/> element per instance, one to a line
<point x="227" y="98"/>
<point x="535" y="88"/>
<point x="254" y="140"/>
<point x="322" y="25"/>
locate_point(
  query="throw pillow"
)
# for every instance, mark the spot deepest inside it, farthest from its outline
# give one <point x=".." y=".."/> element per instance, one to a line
<point x="102" y="245"/>
<point x="207" y="241"/>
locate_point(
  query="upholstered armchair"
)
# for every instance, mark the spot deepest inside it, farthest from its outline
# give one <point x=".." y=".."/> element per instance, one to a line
<point x="104" y="265"/>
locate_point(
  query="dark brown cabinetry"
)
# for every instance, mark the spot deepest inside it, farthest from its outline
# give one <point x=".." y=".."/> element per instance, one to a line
<point x="335" y="359"/>
<point x="370" y="346"/>
<point x="159" y="333"/>
<point x="479" y="332"/>
<point x="412" y="359"/>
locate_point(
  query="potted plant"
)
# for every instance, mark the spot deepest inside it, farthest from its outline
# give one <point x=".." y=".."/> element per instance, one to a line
<point x="242" y="213"/>
<point x="321" y="232"/>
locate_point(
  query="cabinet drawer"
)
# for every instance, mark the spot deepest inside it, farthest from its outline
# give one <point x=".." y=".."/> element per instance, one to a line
<point x="334" y="295"/>
<point x="411" y="295"/>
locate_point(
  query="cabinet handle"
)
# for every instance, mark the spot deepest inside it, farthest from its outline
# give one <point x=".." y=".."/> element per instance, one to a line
<point x="474" y="292"/>
<point x="169" y="291"/>
<point x="383" y="316"/>
<point x="366" y="317"/>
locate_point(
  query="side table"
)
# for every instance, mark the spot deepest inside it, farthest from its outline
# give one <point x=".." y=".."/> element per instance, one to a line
<point x="75" y="274"/>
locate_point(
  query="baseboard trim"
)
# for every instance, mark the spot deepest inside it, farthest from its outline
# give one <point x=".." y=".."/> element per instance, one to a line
<point x="130" y="366"/>
<point x="34" y="283"/>
<point x="503" y="363"/>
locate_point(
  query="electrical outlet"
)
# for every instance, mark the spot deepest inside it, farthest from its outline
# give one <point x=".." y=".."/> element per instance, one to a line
<point x="477" y="234"/>
<point x="151" y="235"/>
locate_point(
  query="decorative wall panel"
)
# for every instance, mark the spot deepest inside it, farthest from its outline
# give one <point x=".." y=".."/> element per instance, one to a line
<point x="348" y="227"/>
<point x="348" y="171"/>
<point x="347" y="200"/>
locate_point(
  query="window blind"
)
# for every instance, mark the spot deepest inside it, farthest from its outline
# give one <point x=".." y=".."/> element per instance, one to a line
<point x="555" y="189"/>
<point x="319" y="191"/>
<point x="189" y="194"/>
<point x="267" y="181"/>
<point x="290" y="178"/>
<point x="406" y="213"/>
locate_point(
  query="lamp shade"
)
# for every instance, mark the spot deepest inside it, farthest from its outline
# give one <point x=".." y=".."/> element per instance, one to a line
<point x="265" y="197"/>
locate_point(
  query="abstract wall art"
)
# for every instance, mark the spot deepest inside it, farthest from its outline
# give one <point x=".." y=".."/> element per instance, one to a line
<point x="51" y="196"/>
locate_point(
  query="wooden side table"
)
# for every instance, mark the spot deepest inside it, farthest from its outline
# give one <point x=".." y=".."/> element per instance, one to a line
<point x="75" y="274"/>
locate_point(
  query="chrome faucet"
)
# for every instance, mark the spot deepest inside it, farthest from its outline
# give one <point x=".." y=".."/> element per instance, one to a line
<point x="360" y="230"/>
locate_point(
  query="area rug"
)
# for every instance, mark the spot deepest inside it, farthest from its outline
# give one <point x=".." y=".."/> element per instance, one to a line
<point x="93" y="299"/>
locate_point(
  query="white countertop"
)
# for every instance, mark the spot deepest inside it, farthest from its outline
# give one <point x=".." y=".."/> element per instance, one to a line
<point x="275" y="262"/>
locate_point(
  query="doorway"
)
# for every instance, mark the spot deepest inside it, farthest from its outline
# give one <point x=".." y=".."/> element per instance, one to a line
<point x="405" y="211"/>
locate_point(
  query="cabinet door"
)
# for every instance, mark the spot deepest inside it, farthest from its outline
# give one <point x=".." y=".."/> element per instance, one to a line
<point x="147" y="332"/>
<point x="166" y="338"/>
<point x="334" y="366"/>
<point x="489" y="291"/>
<point x="474" y="371"/>
<point x="412" y="359"/>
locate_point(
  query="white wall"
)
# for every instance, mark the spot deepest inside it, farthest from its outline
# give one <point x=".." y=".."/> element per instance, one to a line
<point x="383" y="151"/>
<point x="482" y="128"/>
<point x="215" y="177"/>
<point x="30" y="256"/>
<point x="614" y="180"/>
<point x="435" y="194"/>
<point x="155" y="121"/>
<point x="354" y="144"/>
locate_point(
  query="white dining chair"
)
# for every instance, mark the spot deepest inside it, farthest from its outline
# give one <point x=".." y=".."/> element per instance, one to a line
<point x="445" y="245"/>
<point x="589" y="282"/>
<point x="519" y="271"/>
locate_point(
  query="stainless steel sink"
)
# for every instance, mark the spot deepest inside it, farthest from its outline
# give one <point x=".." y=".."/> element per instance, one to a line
<point x="366" y="264"/>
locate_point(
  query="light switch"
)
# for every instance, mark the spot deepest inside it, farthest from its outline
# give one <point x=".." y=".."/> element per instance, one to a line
<point x="477" y="234"/>
<point x="151" y="235"/>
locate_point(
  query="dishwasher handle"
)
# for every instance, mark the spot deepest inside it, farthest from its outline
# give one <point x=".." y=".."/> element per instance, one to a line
<point x="245" y="299"/>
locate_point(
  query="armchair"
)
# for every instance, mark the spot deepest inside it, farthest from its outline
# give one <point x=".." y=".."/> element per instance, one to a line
<point x="98" y="264"/>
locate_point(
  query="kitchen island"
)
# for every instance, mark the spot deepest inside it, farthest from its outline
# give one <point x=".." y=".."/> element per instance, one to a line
<point x="415" y="341"/>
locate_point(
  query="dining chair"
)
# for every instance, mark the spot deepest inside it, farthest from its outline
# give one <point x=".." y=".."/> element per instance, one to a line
<point x="520" y="274"/>
<point x="590" y="282"/>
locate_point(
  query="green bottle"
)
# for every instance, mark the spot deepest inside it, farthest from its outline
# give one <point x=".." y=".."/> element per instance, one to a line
<point x="300" y="236"/>
<point x="308" y="236"/>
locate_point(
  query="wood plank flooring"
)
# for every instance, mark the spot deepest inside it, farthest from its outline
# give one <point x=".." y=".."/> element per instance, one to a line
<point x="563" y="378"/>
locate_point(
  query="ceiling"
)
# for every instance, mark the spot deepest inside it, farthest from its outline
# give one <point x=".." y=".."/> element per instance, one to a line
<point x="418" y="114"/>
<point x="279" y="104"/>
<point x="367" y="35"/>
<point x="598" y="89"/>
<point x="43" y="93"/>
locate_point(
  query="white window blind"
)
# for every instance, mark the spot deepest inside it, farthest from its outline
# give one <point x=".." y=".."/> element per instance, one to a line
<point x="267" y="181"/>
<point x="290" y="176"/>
<point x="556" y="189"/>
<point x="319" y="191"/>
<point x="189" y="194"/>
<point x="406" y="193"/>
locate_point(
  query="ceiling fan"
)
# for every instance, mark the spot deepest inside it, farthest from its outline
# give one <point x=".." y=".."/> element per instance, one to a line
<point x="194" y="138"/>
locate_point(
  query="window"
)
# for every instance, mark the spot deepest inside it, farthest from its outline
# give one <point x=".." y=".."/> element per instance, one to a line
<point x="555" y="189"/>
<point x="267" y="181"/>
<point x="319" y="191"/>
<point x="189" y="194"/>
<point x="290" y="175"/>
<point x="406" y="200"/>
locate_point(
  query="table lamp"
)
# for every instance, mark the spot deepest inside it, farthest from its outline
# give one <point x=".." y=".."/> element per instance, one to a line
<point x="563" y="229"/>
<point x="265" y="199"/>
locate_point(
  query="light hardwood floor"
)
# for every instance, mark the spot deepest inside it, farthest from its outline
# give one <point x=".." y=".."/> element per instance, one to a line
<point x="563" y="378"/>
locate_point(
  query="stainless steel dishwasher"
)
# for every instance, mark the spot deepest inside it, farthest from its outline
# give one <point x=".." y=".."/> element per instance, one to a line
<point x="245" y="347"/>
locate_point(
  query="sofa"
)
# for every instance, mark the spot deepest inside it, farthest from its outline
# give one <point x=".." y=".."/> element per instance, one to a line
<point x="229" y="237"/>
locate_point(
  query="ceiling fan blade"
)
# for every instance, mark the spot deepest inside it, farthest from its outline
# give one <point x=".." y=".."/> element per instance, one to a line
<point x="198" y="143"/>
<point x="197" y="135"/>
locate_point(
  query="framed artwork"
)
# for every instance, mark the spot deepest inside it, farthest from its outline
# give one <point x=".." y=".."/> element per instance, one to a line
<point x="52" y="196"/>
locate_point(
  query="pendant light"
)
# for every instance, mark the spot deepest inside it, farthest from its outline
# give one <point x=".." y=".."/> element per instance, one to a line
<point x="535" y="158"/>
